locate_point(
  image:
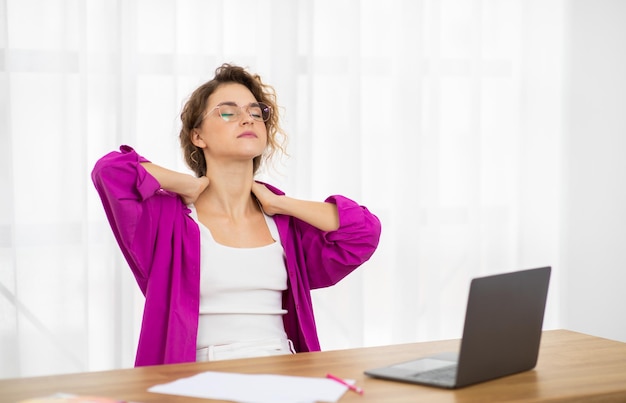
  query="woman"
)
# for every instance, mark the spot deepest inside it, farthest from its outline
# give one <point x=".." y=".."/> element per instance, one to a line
<point x="226" y="263"/>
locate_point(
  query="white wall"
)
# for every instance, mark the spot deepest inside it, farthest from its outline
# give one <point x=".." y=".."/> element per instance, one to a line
<point x="594" y="203"/>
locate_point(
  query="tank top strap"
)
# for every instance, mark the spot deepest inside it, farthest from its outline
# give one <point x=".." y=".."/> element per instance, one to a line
<point x="271" y="224"/>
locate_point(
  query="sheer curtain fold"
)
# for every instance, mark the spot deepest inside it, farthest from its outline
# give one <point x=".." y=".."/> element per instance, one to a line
<point x="427" y="112"/>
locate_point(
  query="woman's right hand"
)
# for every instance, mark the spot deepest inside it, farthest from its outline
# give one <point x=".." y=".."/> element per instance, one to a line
<point x="196" y="187"/>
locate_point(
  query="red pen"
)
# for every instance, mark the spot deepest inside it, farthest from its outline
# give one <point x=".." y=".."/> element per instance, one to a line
<point x="341" y="381"/>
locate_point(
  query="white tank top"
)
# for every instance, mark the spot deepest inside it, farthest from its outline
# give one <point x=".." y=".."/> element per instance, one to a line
<point x="240" y="290"/>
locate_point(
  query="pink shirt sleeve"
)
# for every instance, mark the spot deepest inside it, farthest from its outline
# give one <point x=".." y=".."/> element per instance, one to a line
<point x="126" y="190"/>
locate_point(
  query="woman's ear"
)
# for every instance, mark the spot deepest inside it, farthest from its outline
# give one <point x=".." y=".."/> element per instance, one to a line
<point x="196" y="139"/>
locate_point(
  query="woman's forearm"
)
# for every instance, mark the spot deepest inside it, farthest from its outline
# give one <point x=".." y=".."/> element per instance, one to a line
<point x="321" y="215"/>
<point x="187" y="186"/>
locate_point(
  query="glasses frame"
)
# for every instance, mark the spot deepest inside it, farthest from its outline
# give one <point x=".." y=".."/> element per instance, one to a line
<point x="241" y="110"/>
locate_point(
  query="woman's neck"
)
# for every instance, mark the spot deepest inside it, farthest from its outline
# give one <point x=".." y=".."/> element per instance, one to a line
<point x="229" y="191"/>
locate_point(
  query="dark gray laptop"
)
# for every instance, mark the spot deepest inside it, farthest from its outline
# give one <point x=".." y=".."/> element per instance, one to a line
<point x="501" y="336"/>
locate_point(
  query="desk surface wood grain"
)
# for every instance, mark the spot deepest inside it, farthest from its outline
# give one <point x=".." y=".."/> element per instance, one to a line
<point x="572" y="367"/>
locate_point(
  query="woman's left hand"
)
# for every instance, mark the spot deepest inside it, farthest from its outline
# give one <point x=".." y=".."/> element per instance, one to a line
<point x="266" y="197"/>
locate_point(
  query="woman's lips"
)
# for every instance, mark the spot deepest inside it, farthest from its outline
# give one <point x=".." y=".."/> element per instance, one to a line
<point x="247" y="135"/>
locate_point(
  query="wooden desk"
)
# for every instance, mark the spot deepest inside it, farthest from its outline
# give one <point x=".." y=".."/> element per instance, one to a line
<point x="572" y="367"/>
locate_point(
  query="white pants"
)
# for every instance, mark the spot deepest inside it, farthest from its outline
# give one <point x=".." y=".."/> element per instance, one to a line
<point x="245" y="349"/>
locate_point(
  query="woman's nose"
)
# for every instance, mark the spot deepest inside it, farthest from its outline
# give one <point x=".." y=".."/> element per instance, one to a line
<point x="246" y="118"/>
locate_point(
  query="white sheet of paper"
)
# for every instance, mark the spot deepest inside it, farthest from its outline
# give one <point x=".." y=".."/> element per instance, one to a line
<point x="254" y="388"/>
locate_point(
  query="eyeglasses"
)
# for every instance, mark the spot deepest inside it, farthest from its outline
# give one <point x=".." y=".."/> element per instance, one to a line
<point x="231" y="112"/>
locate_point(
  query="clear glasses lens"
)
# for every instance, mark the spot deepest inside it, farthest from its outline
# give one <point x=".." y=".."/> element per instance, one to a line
<point x="257" y="111"/>
<point x="228" y="112"/>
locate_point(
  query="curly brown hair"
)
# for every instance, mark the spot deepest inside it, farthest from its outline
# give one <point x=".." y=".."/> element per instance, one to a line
<point x="192" y="115"/>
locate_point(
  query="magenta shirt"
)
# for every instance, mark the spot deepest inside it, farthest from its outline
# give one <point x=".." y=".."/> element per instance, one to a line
<point x="161" y="244"/>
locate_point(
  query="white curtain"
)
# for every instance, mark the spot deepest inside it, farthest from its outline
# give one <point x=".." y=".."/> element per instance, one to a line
<point x="443" y="117"/>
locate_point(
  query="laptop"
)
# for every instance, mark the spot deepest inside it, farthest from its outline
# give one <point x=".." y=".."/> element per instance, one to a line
<point x="501" y="335"/>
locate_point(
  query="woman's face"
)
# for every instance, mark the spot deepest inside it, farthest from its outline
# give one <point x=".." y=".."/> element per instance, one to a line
<point x="228" y="131"/>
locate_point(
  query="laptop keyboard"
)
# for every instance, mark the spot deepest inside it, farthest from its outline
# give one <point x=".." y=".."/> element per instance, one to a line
<point x="445" y="376"/>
